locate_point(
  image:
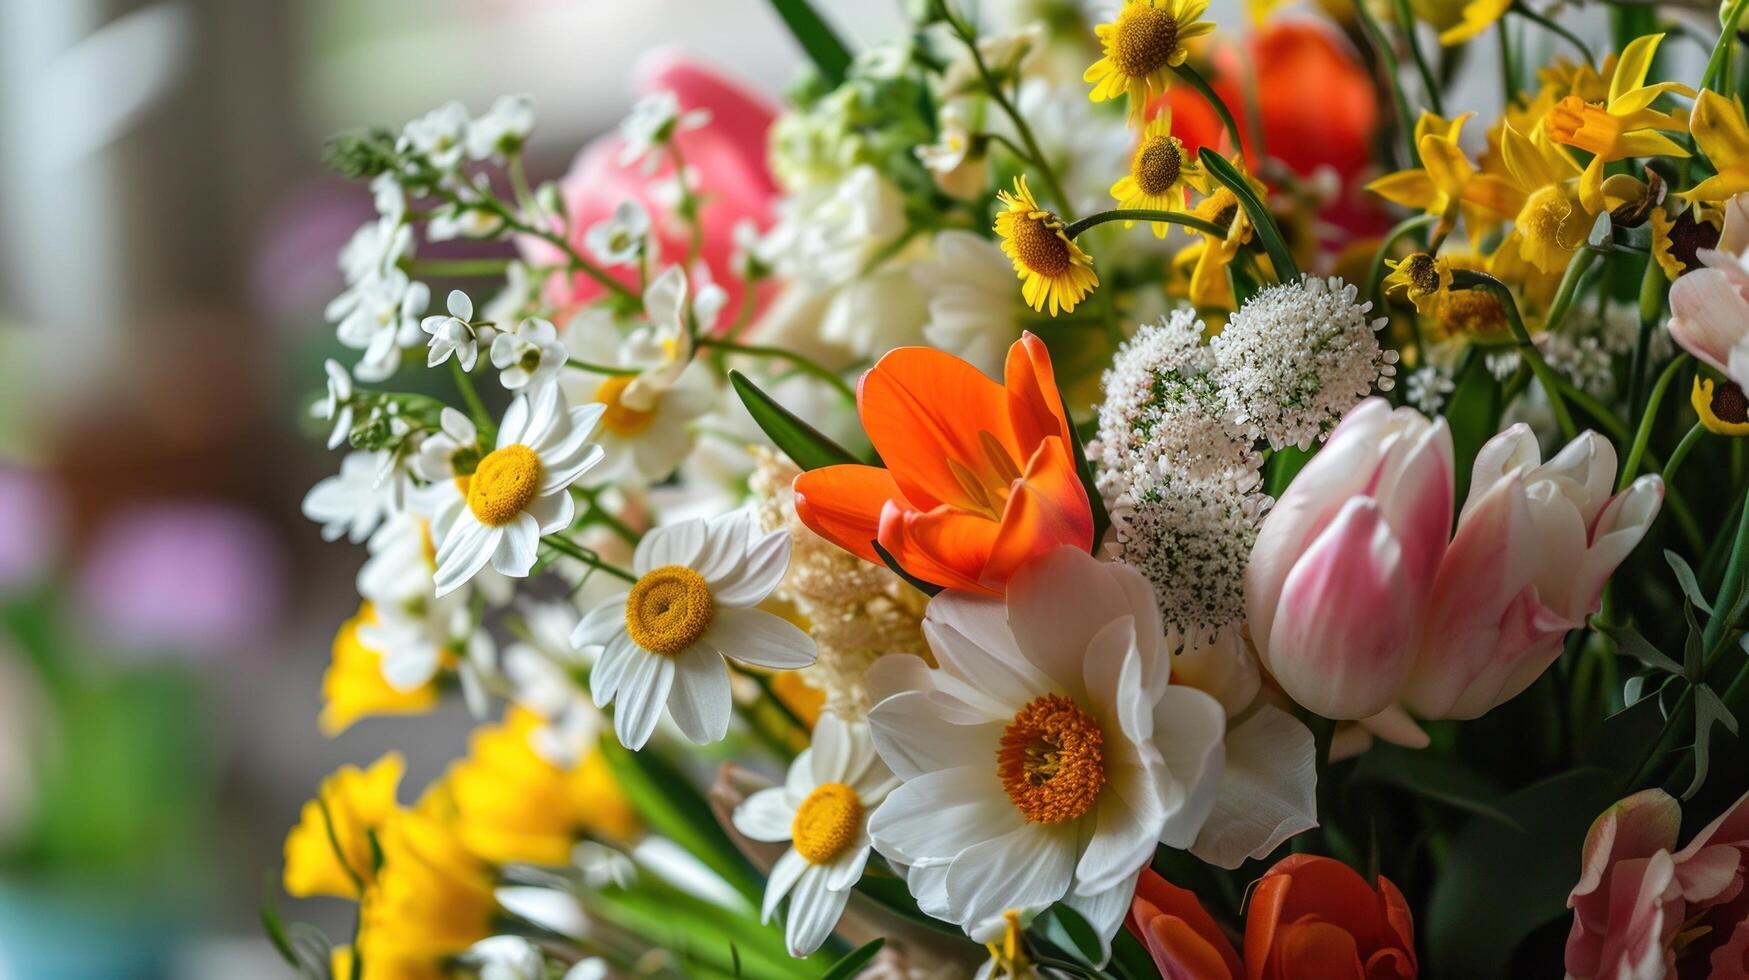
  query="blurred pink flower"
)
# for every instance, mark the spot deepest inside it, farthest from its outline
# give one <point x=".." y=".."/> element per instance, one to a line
<point x="1360" y="599"/>
<point x="183" y="578"/>
<point x="30" y="528"/>
<point x="726" y="157"/>
<point x="1640" y="906"/>
<point x="1709" y="307"/>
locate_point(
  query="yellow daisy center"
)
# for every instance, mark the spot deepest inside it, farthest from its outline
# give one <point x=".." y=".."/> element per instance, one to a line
<point x="503" y="484"/>
<point x="826" y="822"/>
<point x="1157" y="165"/>
<point x="1040" y="245"/>
<point x="1219" y="208"/>
<point x="669" y="608"/>
<point x="1143" y="39"/>
<point x="1050" y="760"/>
<point x="620" y="418"/>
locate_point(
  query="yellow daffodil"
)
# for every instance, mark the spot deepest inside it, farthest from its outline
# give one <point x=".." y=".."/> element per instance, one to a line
<point x="1721" y="407"/>
<point x="1421" y="277"/>
<point x="1447" y="184"/>
<point x="1161" y="173"/>
<point x="353" y="686"/>
<point x="1622" y="126"/>
<point x="1549" y="224"/>
<point x="1722" y="135"/>
<point x="1676" y="240"/>
<point x="512" y="805"/>
<point x="1141" y="47"/>
<point x="432" y="900"/>
<point x="1476" y="17"/>
<point x="330" y="852"/>
<point x="1054" y="271"/>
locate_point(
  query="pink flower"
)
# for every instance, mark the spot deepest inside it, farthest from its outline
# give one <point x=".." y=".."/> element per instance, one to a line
<point x="1360" y="599"/>
<point x="1642" y="912"/>
<point x="1709" y="307"/>
<point x="726" y="158"/>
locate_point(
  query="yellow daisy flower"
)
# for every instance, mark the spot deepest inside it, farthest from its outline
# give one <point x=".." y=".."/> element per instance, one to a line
<point x="1421" y="277"/>
<point x="1623" y="126"/>
<point x="1161" y="173"/>
<point x="1054" y="269"/>
<point x="1675" y="241"/>
<point x="1722" y="135"/>
<point x="1447" y="184"/>
<point x="1721" y="407"/>
<point x="1207" y="259"/>
<point x="1142" y="46"/>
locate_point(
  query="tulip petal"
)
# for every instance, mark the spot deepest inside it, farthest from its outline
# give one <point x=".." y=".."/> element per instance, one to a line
<point x="1708" y="316"/>
<point x="843" y="505"/>
<point x="1047" y="508"/>
<point x="945" y="546"/>
<point x="1034" y="406"/>
<point x="923" y="410"/>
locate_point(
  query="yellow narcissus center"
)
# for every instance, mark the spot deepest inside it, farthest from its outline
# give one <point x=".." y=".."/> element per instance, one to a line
<point x="1157" y="165"/>
<point x="1040" y="245"/>
<point x="826" y="822"/>
<point x="1586" y="125"/>
<point x="620" y="418"/>
<point x="1050" y="760"/>
<point x="503" y="484"/>
<point x="669" y="608"/>
<point x="1143" y="39"/>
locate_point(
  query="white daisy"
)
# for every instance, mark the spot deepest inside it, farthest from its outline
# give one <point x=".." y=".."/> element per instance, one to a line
<point x="453" y="334"/>
<point x="450" y="454"/>
<point x="822" y="810"/>
<point x="337" y="407"/>
<point x="652" y="123"/>
<point x="691" y="606"/>
<point x="519" y="491"/>
<point x="528" y="356"/>
<point x="503" y="129"/>
<point x="1048" y="754"/>
<point x="440" y="136"/>
<point x="354" y="501"/>
<point x="619" y="239"/>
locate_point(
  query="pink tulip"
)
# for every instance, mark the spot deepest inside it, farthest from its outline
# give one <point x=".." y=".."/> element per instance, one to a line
<point x="1709" y="306"/>
<point x="1635" y="897"/>
<point x="726" y="157"/>
<point x="1360" y="599"/>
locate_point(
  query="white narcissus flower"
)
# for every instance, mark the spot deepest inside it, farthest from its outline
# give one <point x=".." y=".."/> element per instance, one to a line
<point x="619" y="239"/>
<point x="519" y="491"/>
<point x="970" y="288"/>
<point x="354" y="501"/>
<point x="528" y="356"/>
<point x="692" y="605"/>
<point x="453" y="334"/>
<point x="652" y="122"/>
<point x="503" y="129"/>
<point x="822" y="810"/>
<point x="1048" y="754"/>
<point x="440" y="136"/>
<point x="337" y="407"/>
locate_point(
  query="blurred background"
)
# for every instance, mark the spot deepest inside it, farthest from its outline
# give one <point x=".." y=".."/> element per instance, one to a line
<point x="167" y="243"/>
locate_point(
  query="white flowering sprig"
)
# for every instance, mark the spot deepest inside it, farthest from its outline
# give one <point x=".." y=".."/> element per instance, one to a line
<point x="455" y="334"/>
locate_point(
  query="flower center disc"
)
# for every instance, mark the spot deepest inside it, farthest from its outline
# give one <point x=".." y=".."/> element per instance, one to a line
<point x="1424" y="272"/>
<point x="1142" y="39"/>
<point x="503" y="484"/>
<point x="1050" y="760"/>
<point x="620" y="418"/>
<point x="1040" y="245"/>
<point x="1729" y="404"/>
<point x="1157" y="165"/>
<point x="826" y="822"/>
<point x="669" y="608"/>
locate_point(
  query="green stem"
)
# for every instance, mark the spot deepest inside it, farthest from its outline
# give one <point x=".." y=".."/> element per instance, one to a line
<point x="1508" y="70"/>
<point x="1545" y="375"/>
<point x="1375" y="274"/>
<point x="1715" y="76"/>
<point x="1406" y="20"/>
<point x="1680" y="453"/>
<point x="1550" y="24"/>
<point x="688" y="206"/>
<point x="1388" y="61"/>
<point x="514" y="222"/>
<point x="459" y="268"/>
<point x="1648" y="419"/>
<point x="1197" y="82"/>
<point x="593" y="368"/>
<point x="1184" y="218"/>
<point x="1045" y="172"/>
<point x="1563" y="301"/>
<point x="802" y="363"/>
<point x="587" y="557"/>
<point x="476" y="407"/>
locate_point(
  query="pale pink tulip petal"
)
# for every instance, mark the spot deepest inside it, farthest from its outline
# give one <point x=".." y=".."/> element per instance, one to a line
<point x="1418" y="506"/>
<point x="1708" y="315"/>
<point x="1624" y="521"/>
<point x="1511" y="452"/>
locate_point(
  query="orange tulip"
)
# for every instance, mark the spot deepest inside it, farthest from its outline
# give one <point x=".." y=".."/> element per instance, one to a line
<point x="980" y="476"/>
<point x="1315" y="917"/>
<point x="1182" y="938"/>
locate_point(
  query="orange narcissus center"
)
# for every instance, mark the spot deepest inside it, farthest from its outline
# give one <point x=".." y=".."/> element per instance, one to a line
<point x="826" y="822"/>
<point x="1050" y="760"/>
<point x="504" y="484"/>
<point x="1142" y="39"/>
<point x="620" y="418"/>
<point x="668" y="609"/>
<point x="1586" y="125"/>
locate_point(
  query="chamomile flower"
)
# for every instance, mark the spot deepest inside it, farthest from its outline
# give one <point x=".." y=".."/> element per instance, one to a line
<point x="1161" y="173"/>
<point x="652" y="123"/>
<point x="452" y="452"/>
<point x="692" y="605"/>
<point x="337" y="407"/>
<point x="822" y="810"/>
<point x="519" y="491"/>
<point x="1141" y="47"/>
<point x="454" y="334"/>
<point x="440" y="136"/>
<point x="1055" y="272"/>
<point x="528" y="356"/>
<point x="622" y="237"/>
<point x="375" y="248"/>
<point x="503" y="129"/>
<point x="353" y="502"/>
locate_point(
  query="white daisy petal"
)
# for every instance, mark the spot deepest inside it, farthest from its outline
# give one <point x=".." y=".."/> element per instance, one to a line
<point x="643" y="692"/>
<point x="465" y="550"/>
<point x="601" y="623"/>
<point x="700" y="701"/>
<point x="518" y="546"/>
<point x="766" y="816"/>
<point x="672" y="544"/>
<point x="761" y="568"/>
<point x="814" y="910"/>
<point x="610" y="668"/>
<point x="757" y="637"/>
<point x="782" y="878"/>
<point x="846" y="869"/>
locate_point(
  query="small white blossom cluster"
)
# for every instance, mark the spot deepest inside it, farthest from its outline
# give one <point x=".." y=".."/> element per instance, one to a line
<point x="1586" y="348"/>
<point x="1428" y="387"/>
<point x="1297" y="356"/>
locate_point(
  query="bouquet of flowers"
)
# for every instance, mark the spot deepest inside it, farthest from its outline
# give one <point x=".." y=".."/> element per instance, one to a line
<point x="1060" y="496"/>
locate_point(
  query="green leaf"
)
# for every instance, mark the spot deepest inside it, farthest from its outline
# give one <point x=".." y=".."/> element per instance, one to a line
<point x="1261" y="220"/>
<point x="816" y="37"/>
<point x="1685" y="577"/>
<point x="1498" y="884"/>
<point x="673" y="808"/>
<point x="1244" y="287"/>
<point x="1129" y="960"/>
<point x="1435" y="777"/>
<point x="1066" y="929"/>
<point x="1629" y="641"/>
<point x="927" y="588"/>
<point x="1101" y="518"/>
<point x="275" y="929"/>
<point x="854" y="960"/>
<point x="1708" y="711"/>
<point x="804" y="444"/>
<point x="890" y="893"/>
<point x="1472" y="413"/>
<point x="1283" y="465"/>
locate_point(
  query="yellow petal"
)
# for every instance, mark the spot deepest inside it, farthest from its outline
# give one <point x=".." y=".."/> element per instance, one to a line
<point x="1410" y="188"/>
<point x="1720" y="130"/>
<point x="1632" y="66"/>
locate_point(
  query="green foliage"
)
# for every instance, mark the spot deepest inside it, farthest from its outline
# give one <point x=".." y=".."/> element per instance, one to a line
<point x="805" y="445"/>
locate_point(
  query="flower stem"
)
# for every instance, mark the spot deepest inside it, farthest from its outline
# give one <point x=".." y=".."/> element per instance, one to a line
<point x="1430" y="84"/>
<point x="1550" y="24"/>
<point x="593" y="368"/>
<point x="459" y="268"/>
<point x="587" y="557"/>
<point x="471" y="396"/>
<point x="1192" y="76"/>
<point x="1716" y="76"/>
<point x="1184" y="218"/>
<point x="1681" y="452"/>
<point x="1388" y="61"/>
<point x="803" y="364"/>
<point x="1375" y="274"/>
<point x="1563" y="301"/>
<point x="1648" y="418"/>
<point x="1545" y="375"/>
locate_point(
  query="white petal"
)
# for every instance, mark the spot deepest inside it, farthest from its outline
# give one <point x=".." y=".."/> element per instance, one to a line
<point x="840" y="752"/>
<point x="672" y="544"/>
<point x="782" y="878"/>
<point x="518" y="546"/>
<point x="1188" y="729"/>
<point x="601" y="623"/>
<point x="511" y="427"/>
<point x="954" y="700"/>
<point x="610" y="668"/>
<point x="846" y="869"/>
<point x="466" y="549"/>
<point x="1268" y="790"/>
<point x="643" y="691"/>
<point x="1027" y="868"/>
<point x="1123" y="841"/>
<point x="700" y="700"/>
<point x="758" y="572"/>
<point x="814" y="910"/>
<point x="1060" y="601"/>
<point x="982" y="625"/>
<point x="765" y="816"/>
<point x="757" y="637"/>
<point x="552" y="512"/>
<point x="1002" y="674"/>
<point x="934" y="817"/>
<point x="913" y="737"/>
<point x="1104" y="911"/>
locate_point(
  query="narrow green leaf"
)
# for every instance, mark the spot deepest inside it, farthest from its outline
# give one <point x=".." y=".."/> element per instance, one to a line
<point x="804" y="444"/>
<point x="1101" y="518"/>
<point x="1244" y="287"/>
<point x="275" y="929"/>
<point x="927" y="588"/>
<point x="1629" y="641"/>
<point x="1129" y="960"/>
<point x="1708" y="711"/>
<point x="1261" y="220"/>
<point x="1435" y="777"/>
<point x="854" y="960"/>
<point x="1472" y="413"/>
<point x="1070" y="932"/>
<point x="816" y="37"/>
<point x="890" y="893"/>
<point x="1282" y="467"/>
<point x="1693" y="656"/>
<point x="1685" y="577"/>
<point x="672" y="807"/>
